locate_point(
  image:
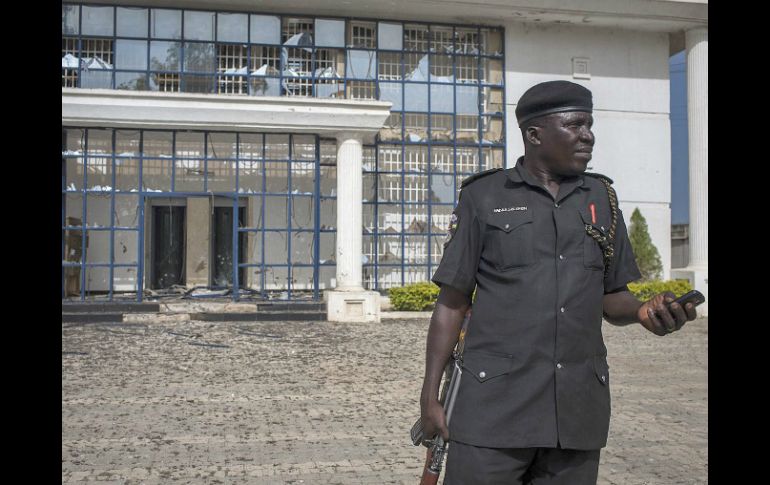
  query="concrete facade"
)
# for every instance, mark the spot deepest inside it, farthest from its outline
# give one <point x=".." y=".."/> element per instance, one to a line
<point x="623" y="46"/>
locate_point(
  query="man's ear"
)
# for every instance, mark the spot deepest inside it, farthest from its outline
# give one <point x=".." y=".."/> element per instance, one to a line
<point x="532" y="134"/>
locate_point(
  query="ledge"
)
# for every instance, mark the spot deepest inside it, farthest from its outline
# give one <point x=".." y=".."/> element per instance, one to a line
<point x="188" y="111"/>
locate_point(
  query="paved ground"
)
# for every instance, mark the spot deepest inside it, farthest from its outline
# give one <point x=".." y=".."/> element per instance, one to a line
<point x="323" y="403"/>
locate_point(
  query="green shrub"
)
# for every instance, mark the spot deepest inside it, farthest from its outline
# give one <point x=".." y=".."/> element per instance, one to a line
<point x="647" y="289"/>
<point x="415" y="297"/>
<point x="647" y="256"/>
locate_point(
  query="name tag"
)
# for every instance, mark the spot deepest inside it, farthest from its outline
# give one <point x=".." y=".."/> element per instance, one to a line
<point x="510" y="209"/>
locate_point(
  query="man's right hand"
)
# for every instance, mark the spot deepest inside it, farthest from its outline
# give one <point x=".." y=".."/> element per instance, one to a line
<point x="434" y="420"/>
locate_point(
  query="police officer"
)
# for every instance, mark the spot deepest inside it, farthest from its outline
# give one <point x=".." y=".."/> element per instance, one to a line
<point x="546" y="249"/>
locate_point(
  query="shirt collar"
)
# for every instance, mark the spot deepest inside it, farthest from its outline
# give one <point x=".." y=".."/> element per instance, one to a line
<point x="519" y="174"/>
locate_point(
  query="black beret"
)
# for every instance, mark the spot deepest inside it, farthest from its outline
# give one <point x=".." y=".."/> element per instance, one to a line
<point x="553" y="97"/>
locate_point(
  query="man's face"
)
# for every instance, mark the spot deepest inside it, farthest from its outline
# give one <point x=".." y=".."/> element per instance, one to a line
<point x="567" y="142"/>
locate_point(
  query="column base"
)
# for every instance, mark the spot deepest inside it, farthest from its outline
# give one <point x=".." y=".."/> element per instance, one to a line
<point x="352" y="306"/>
<point x="699" y="279"/>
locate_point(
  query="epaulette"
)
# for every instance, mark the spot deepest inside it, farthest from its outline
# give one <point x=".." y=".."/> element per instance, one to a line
<point x="598" y="176"/>
<point x="477" y="176"/>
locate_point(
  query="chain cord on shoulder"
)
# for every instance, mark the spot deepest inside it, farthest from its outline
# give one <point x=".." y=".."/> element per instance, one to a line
<point x="607" y="242"/>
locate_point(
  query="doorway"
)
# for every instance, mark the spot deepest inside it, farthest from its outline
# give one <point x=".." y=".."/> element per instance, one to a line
<point x="168" y="246"/>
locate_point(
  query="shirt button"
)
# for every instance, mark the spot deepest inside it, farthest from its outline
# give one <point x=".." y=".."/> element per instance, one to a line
<point x="558" y="366"/>
<point x="604" y="379"/>
<point x="507" y="226"/>
<point x="482" y="374"/>
<point x="556" y="205"/>
<point x="561" y="256"/>
<point x="561" y="309"/>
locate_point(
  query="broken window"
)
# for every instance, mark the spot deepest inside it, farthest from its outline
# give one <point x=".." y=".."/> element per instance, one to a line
<point x="362" y="34"/>
<point x="232" y="69"/>
<point x="69" y="62"/>
<point x="96" y="63"/>
<point x="415" y="37"/>
<point x="441" y="39"/>
<point x="392" y="92"/>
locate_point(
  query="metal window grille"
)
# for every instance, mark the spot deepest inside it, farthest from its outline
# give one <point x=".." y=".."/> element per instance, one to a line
<point x="442" y="39"/>
<point x="69" y="75"/>
<point x="441" y="65"/>
<point x="362" y="90"/>
<point x="363" y="34"/>
<point x="294" y="26"/>
<point x="467" y="159"/>
<point x="97" y="50"/>
<point x="389" y="66"/>
<point x="415" y="37"/>
<point x="467" y="69"/>
<point x="232" y="60"/>
<point x="390" y="158"/>
<point x="167" y="82"/>
<point x="467" y="41"/>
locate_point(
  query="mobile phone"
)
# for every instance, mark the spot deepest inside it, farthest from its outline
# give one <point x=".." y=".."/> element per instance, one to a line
<point x="695" y="297"/>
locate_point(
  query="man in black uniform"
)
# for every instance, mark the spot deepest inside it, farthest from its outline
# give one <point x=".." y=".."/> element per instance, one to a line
<point x="540" y="245"/>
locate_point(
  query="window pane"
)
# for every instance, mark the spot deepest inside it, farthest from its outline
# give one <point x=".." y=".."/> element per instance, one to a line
<point x="415" y="37"/>
<point x="416" y="252"/>
<point x="70" y="19"/>
<point x="440" y="216"/>
<point x="125" y="248"/>
<point x="156" y="175"/>
<point x="253" y="213"/>
<point x="264" y="86"/>
<point x="126" y="210"/>
<point x="492" y="158"/>
<point x="277" y="147"/>
<point x="166" y="24"/>
<point x="416" y="218"/>
<point x="328" y="242"/>
<point x="362" y="34"/>
<point x="131" y="81"/>
<point x="277" y="177"/>
<point x="362" y="64"/>
<point x="442" y="159"/>
<point x="124" y="279"/>
<point x="265" y="29"/>
<point x="221" y="145"/>
<point x="328" y="214"/>
<point x="232" y="27"/>
<point x="98" y="209"/>
<point x="391" y="92"/>
<point x="391" y="130"/>
<point x="132" y="22"/>
<point x="130" y="54"/>
<point x="221" y="176"/>
<point x="492" y="129"/>
<point x="441" y="127"/>
<point x="249" y="177"/>
<point x="97" y="20"/>
<point x="157" y="143"/>
<point x="416" y="67"/>
<point x="330" y="33"/>
<point x="189" y="145"/>
<point x="94" y="79"/>
<point x="189" y="176"/>
<point x="74" y="173"/>
<point x="442" y="188"/>
<point x="250" y="146"/>
<point x="303" y="178"/>
<point x="389" y="36"/>
<point x="467" y="99"/>
<point x="441" y="39"/>
<point x="442" y="98"/>
<point x="164" y="56"/>
<point x="303" y="148"/>
<point x="127" y="174"/>
<point x="277" y="248"/>
<point x="493" y="100"/>
<point x="302" y="213"/>
<point x="199" y="57"/>
<point x="416" y="97"/>
<point x="492" y="70"/>
<point x="492" y="42"/>
<point x="198" y="25"/>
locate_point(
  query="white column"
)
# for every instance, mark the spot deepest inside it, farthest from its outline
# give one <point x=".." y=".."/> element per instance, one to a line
<point x="698" y="128"/>
<point x="349" y="212"/>
<point x="349" y="302"/>
<point x="697" y="115"/>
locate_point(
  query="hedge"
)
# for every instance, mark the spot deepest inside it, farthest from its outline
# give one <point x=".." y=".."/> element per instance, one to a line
<point x="646" y="290"/>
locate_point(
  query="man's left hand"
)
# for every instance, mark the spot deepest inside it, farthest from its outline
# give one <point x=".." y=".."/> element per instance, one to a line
<point x="660" y="318"/>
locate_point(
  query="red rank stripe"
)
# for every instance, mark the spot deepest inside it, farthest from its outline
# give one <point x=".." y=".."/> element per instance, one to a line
<point x="593" y="212"/>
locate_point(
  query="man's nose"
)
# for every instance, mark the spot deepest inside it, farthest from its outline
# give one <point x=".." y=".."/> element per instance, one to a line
<point x="587" y="136"/>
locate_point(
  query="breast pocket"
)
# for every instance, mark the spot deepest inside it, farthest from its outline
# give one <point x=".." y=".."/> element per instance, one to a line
<point x="593" y="258"/>
<point x="511" y="235"/>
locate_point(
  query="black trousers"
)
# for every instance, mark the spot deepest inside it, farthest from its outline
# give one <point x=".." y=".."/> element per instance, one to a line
<point x="472" y="465"/>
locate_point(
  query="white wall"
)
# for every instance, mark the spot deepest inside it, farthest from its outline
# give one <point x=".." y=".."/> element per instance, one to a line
<point x="630" y="86"/>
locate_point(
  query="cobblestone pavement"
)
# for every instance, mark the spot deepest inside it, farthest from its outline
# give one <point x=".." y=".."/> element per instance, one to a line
<point x="329" y="403"/>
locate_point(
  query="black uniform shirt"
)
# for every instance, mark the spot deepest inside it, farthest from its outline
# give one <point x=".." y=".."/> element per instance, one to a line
<point x="535" y="368"/>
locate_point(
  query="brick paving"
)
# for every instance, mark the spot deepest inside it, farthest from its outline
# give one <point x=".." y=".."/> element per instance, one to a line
<point x="166" y="402"/>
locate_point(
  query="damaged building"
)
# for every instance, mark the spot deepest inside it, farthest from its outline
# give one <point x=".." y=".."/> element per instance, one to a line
<point x="283" y="150"/>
